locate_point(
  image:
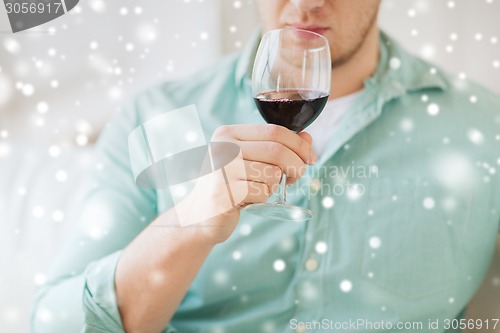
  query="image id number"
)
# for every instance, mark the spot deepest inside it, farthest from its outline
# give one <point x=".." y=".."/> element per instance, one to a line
<point x="27" y="7"/>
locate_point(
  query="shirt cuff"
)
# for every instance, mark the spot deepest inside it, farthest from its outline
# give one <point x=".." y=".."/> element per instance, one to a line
<point x="99" y="298"/>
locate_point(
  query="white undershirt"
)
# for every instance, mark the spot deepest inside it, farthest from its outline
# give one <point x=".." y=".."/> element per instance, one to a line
<point x="327" y="122"/>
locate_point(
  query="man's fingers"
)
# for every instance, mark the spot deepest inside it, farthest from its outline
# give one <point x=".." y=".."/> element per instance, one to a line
<point x="273" y="153"/>
<point x="263" y="173"/>
<point x="255" y="192"/>
<point x="306" y="136"/>
<point x="268" y="132"/>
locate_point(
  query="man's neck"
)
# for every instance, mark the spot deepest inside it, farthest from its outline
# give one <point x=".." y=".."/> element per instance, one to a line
<point x="349" y="77"/>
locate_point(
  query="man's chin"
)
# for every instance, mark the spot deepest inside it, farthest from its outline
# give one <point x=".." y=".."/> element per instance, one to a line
<point x="340" y="61"/>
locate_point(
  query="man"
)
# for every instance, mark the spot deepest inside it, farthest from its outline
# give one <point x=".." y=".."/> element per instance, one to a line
<point x="403" y="249"/>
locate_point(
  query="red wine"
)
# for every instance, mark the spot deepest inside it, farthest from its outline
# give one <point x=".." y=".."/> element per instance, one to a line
<point x="294" y="109"/>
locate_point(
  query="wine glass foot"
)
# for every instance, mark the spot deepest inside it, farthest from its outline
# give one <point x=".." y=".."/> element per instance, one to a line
<point x="279" y="211"/>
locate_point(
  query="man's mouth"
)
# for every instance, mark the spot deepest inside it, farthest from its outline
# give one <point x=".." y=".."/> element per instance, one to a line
<point x="316" y="29"/>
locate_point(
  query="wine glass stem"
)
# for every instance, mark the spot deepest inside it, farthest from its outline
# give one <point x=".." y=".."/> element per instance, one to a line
<point x="282" y="190"/>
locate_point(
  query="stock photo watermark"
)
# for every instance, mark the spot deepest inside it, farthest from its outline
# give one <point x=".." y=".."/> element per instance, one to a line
<point x="337" y="181"/>
<point x="413" y="326"/>
<point x="27" y="14"/>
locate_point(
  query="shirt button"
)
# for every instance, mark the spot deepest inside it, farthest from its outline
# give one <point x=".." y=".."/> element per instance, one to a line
<point x="311" y="264"/>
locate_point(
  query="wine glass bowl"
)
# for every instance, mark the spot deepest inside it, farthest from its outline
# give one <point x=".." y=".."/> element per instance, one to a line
<point x="291" y="81"/>
<point x="294" y="109"/>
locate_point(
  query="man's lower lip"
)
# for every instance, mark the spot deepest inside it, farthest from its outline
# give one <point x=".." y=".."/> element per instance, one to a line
<point x="320" y="31"/>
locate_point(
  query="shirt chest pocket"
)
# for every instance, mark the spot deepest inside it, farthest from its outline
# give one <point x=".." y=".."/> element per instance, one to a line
<point x="408" y="242"/>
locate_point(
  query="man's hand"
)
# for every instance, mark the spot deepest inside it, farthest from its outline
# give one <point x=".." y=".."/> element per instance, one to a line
<point x="267" y="151"/>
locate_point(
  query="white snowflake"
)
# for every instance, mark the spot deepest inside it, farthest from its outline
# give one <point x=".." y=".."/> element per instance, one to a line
<point x="57" y="216"/>
<point x="449" y="203"/>
<point x="433" y="109"/>
<point x="406" y="125"/>
<point x="279" y="265"/>
<point x="221" y="277"/>
<point x="346" y="286"/>
<point x="328" y="202"/>
<point x="42" y="107"/>
<point x="54" y="151"/>
<point x="204" y="35"/>
<point x="39" y="279"/>
<point x="27" y="89"/>
<point x="245" y="229"/>
<point x="355" y="191"/>
<point x="428" y="51"/>
<point x="428" y="203"/>
<point x="4" y="149"/>
<point x="308" y="291"/>
<point x="321" y="247"/>
<point x="191" y="136"/>
<point x="11" y="45"/>
<point x="395" y="63"/>
<point x="98" y="5"/>
<point x="156" y="277"/>
<point x="475" y="136"/>
<point x="236" y="255"/>
<point x="38" y="211"/>
<point x="287" y="244"/>
<point x="147" y="33"/>
<point x="45" y="315"/>
<point x="61" y="176"/>
<point x="374" y="242"/>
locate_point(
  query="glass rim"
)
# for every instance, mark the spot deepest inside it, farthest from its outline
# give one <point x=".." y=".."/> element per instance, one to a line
<point x="273" y="31"/>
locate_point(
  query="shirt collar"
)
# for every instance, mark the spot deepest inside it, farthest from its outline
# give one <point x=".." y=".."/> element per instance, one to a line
<point x="397" y="73"/>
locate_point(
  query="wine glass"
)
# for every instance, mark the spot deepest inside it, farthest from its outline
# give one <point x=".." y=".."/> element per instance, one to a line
<point x="291" y="84"/>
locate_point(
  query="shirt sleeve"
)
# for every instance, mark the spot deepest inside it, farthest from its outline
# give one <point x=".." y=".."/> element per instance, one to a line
<point x="79" y="295"/>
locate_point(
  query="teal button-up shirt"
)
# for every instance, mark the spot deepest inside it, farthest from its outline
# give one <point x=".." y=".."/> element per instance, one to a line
<point x="407" y="205"/>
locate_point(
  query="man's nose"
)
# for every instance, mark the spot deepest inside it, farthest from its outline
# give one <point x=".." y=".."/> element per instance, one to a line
<point x="308" y="5"/>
